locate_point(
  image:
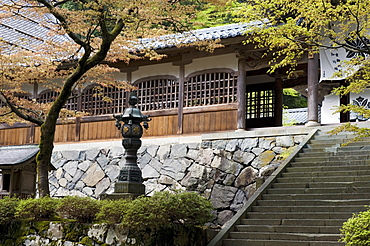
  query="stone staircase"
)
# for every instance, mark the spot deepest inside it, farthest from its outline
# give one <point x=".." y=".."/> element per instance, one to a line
<point x="309" y="200"/>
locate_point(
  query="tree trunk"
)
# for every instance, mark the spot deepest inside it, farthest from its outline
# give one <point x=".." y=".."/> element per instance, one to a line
<point x="46" y="146"/>
<point x="43" y="158"/>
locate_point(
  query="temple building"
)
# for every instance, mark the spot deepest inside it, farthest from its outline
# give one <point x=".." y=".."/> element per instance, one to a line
<point x="189" y="90"/>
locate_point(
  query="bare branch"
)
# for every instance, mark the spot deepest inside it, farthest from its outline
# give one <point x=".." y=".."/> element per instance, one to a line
<point x="18" y="112"/>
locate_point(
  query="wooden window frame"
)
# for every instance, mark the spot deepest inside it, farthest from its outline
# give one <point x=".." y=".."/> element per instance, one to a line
<point x="210" y="87"/>
<point x="155" y="92"/>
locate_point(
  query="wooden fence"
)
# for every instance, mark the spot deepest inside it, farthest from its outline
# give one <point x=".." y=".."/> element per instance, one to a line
<point x="164" y="123"/>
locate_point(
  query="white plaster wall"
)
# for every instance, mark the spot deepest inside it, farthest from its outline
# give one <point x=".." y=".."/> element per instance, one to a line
<point x="120" y="76"/>
<point x="332" y="101"/>
<point x="154" y="70"/>
<point x="221" y="61"/>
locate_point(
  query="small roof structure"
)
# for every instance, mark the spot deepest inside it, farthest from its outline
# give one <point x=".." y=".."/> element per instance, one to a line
<point x="15" y="155"/>
<point x="18" y="171"/>
<point x="298" y="116"/>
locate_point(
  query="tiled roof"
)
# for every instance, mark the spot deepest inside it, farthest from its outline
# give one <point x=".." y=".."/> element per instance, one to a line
<point x="12" y="155"/>
<point x="25" y="31"/>
<point x="26" y="28"/>
<point x="212" y="33"/>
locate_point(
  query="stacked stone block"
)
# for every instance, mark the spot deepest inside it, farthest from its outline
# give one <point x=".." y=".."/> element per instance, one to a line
<point x="225" y="171"/>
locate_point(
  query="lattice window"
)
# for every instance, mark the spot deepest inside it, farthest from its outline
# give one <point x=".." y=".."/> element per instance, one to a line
<point x="260" y="104"/>
<point x="158" y="93"/>
<point x="209" y="88"/>
<point x="93" y="101"/>
<point x="48" y="96"/>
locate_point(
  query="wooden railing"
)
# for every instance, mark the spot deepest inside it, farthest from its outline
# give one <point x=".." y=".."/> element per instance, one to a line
<point x="164" y="122"/>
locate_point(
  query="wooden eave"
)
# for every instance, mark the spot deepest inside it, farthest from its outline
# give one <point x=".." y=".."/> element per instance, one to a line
<point x="188" y="53"/>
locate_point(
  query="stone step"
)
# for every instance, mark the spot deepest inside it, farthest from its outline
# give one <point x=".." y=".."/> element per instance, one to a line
<point x="287" y="229"/>
<point x="324" y="168"/>
<point x="328" y="196"/>
<point x="343" y="144"/>
<point x="337" y="152"/>
<point x="327" y="190"/>
<point x="340" y="163"/>
<point x="321" y="184"/>
<point x="347" y="148"/>
<point x="299" y="215"/>
<point x="306" y="206"/>
<point x="332" y="158"/>
<point x="327" y="173"/>
<point x="322" y="179"/>
<point x="308" y="209"/>
<point x="293" y="222"/>
<point x="324" y="135"/>
<point x="255" y="242"/>
<point x="313" y="153"/>
<point x="316" y="143"/>
<point x="317" y="202"/>
<point x="286" y="236"/>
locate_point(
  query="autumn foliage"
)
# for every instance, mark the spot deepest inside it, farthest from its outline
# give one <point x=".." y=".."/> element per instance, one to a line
<point x="75" y="42"/>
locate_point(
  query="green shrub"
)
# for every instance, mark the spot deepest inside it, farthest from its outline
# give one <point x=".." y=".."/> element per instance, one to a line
<point x="7" y="209"/>
<point x="356" y="230"/>
<point x="82" y="209"/>
<point x="158" y="219"/>
<point x="112" y="211"/>
<point x="37" y="208"/>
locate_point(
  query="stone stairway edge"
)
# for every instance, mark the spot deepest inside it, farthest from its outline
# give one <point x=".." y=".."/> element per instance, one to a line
<point x="229" y="226"/>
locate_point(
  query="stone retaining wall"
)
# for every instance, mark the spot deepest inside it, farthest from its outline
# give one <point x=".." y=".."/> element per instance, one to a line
<point x="225" y="171"/>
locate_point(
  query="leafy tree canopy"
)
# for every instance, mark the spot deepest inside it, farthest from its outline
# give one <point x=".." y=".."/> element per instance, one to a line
<point x="81" y="35"/>
<point x="290" y="29"/>
<point x="216" y="15"/>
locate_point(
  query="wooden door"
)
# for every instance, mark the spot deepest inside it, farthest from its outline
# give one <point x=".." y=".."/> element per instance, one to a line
<point x="261" y="105"/>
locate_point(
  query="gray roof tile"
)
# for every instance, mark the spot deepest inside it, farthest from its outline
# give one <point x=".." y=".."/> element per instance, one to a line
<point x="25" y="27"/>
<point x="25" y="31"/>
<point x="212" y="33"/>
<point x="12" y="155"/>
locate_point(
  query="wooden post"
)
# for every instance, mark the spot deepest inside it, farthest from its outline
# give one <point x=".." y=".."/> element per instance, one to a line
<point x="313" y="85"/>
<point x="32" y="134"/>
<point x="278" y="102"/>
<point x="241" y="95"/>
<point x="180" y="112"/>
<point x="78" y="129"/>
<point x="78" y="119"/>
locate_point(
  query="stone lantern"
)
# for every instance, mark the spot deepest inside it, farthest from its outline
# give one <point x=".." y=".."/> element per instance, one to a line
<point x="129" y="182"/>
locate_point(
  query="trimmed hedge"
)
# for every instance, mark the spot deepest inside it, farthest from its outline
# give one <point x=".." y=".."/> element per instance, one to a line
<point x="356" y="230"/>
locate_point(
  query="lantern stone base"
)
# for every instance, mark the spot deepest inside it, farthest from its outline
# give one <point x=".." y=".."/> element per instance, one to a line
<point x="125" y="190"/>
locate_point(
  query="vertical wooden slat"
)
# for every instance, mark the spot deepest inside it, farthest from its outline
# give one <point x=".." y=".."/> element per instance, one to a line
<point x="2" y="138"/>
